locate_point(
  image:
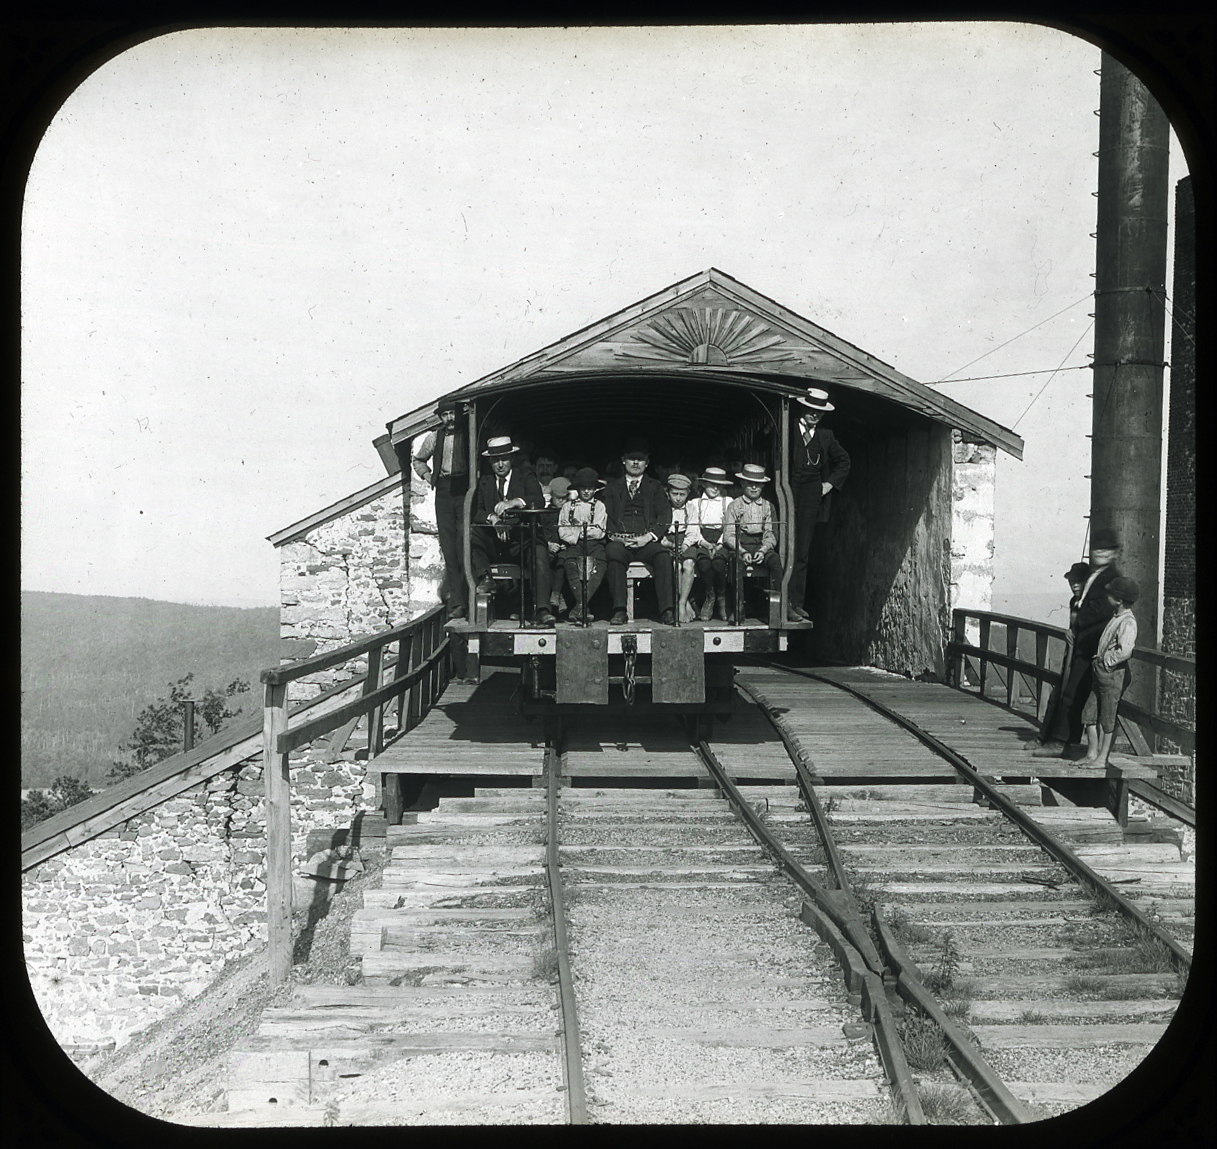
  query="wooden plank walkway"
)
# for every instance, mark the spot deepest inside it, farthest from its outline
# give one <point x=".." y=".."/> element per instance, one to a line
<point x="840" y="739"/>
<point x="474" y="729"/>
<point x="993" y="739"/>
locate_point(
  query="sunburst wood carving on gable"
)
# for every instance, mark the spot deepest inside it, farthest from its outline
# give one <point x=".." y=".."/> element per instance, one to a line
<point x="714" y="336"/>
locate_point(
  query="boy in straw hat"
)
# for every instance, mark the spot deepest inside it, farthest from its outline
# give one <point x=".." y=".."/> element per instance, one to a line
<point x="748" y="532"/>
<point x="710" y="562"/>
<point x="818" y="465"/>
<point x="494" y="536"/>
<point x="1110" y="670"/>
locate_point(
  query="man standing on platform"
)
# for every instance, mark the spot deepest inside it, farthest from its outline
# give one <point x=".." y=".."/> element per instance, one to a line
<point x="446" y="449"/>
<point x="639" y="515"/>
<point x="1093" y="611"/>
<point x="818" y="465"/>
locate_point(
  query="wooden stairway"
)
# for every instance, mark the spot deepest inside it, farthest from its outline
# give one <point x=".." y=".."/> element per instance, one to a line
<point x="449" y="1024"/>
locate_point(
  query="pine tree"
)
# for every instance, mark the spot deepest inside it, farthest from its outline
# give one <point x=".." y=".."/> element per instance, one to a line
<point x="39" y="805"/>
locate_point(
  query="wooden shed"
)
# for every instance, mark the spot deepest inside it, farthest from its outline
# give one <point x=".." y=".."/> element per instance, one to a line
<point x="699" y="366"/>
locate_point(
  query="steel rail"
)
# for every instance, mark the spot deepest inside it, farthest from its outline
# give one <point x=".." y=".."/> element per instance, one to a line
<point x="855" y="950"/>
<point x="964" y="1058"/>
<point x="1092" y="880"/>
<point x="572" y="1062"/>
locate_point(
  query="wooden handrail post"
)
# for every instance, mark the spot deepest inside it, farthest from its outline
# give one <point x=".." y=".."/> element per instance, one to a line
<point x="1041" y="664"/>
<point x="376" y="717"/>
<point x="1011" y="652"/>
<point x="985" y="627"/>
<point x="958" y="663"/>
<point x="276" y="779"/>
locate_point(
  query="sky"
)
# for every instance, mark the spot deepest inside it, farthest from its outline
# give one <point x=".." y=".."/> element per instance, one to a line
<point x="245" y="251"/>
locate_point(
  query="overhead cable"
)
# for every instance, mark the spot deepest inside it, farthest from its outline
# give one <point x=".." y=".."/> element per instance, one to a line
<point x="1053" y="375"/>
<point x="1041" y="323"/>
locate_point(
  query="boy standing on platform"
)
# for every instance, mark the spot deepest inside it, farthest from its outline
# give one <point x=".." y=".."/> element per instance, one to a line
<point x="1110" y="669"/>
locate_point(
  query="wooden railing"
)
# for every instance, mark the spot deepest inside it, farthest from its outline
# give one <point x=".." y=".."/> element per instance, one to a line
<point x="415" y="681"/>
<point x="1140" y="726"/>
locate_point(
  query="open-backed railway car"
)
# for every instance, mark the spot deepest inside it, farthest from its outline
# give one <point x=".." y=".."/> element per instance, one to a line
<point x="709" y="371"/>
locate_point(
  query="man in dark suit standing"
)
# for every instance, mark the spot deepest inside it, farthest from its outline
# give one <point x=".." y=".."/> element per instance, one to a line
<point x="441" y="458"/>
<point x="639" y="515"/>
<point x="1093" y="612"/>
<point x="495" y="534"/>
<point x="818" y="465"/>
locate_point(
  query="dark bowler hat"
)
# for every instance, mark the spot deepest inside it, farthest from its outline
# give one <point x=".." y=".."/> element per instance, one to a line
<point x="1079" y="572"/>
<point x="448" y="403"/>
<point x="636" y="448"/>
<point x="817" y="399"/>
<point x="1104" y="539"/>
<point x="1124" y="589"/>
<point x="586" y="479"/>
<point x="500" y="448"/>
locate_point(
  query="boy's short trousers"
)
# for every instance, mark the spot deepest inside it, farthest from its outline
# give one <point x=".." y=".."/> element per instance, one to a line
<point x="574" y="552"/>
<point x="1104" y="698"/>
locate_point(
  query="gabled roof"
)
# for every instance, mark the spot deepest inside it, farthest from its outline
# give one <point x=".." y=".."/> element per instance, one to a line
<point x="713" y="324"/>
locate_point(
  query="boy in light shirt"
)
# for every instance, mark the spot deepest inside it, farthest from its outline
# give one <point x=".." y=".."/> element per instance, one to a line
<point x="748" y="531"/>
<point x="683" y="540"/>
<point x="1111" y="672"/>
<point x="709" y="512"/>
<point x="583" y="523"/>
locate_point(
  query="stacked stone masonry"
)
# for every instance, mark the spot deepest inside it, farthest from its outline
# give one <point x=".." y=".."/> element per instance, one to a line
<point x="357" y="573"/>
<point x="119" y="930"/>
<point x="973" y="519"/>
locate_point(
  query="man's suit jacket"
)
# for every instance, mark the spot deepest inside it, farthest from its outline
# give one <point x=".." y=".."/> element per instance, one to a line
<point x="822" y="460"/>
<point x="1093" y="614"/>
<point x="522" y="483"/>
<point x="656" y="510"/>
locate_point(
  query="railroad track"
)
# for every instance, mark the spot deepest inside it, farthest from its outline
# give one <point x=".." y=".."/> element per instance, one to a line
<point x="1055" y="949"/>
<point x="714" y="961"/>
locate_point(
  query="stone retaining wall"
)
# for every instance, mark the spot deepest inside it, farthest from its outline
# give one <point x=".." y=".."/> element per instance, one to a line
<point x="356" y="573"/>
<point x="121" y="929"/>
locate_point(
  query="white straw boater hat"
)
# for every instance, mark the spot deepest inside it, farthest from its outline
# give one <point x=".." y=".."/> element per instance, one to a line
<point x="500" y="447"/>
<point x="817" y="399"/>
<point x="716" y="477"/>
<point x="753" y="473"/>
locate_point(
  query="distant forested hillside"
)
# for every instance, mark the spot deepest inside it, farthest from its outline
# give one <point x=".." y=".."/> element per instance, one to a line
<point x="90" y="664"/>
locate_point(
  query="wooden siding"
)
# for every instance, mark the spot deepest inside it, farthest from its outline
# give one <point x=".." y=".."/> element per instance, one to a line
<point x="881" y="566"/>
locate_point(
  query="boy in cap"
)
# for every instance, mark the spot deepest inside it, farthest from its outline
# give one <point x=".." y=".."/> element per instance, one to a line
<point x="556" y="492"/>
<point x="1110" y="670"/>
<point x="1076" y="577"/>
<point x="682" y="540"/>
<point x="748" y="531"/>
<point x="1093" y="611"/>
<point x="638" y="517"/>
<point x="493" y="537"/>
<point x="582" y="526"/>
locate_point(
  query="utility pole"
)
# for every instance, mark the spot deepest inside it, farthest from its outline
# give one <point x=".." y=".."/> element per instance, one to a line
<point x="1130" y="292"/>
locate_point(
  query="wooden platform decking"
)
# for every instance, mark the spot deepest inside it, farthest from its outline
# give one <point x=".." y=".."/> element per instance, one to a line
<point x="474" y="729"/>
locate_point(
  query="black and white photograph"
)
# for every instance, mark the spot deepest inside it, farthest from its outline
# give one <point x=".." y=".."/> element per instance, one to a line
<point x="623" y="575"/>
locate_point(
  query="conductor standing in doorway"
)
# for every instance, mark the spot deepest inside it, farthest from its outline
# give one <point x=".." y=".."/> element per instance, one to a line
<point x="818" y="466"/>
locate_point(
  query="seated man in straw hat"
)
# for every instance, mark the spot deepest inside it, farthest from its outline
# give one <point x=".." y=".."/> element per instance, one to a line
<point x="818" y="465"/>
<point x="748" y="530"/>
<point x="496" y="536"/>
